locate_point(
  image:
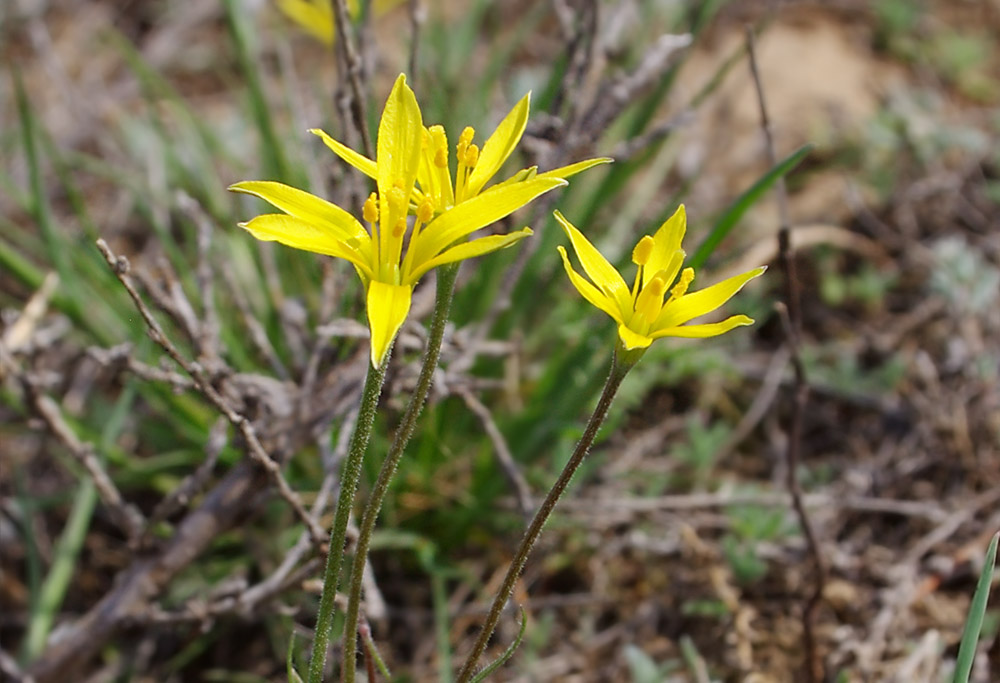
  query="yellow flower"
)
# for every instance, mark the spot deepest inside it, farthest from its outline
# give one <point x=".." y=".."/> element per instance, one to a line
<point x="474" y="168"/>
<point x="315" y="17"/>
<point x="439" y="231"/>
<point x="651" y="308"/>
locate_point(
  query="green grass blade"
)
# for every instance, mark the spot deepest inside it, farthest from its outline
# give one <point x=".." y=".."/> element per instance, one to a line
<point x="507" y="654"/>
<point x="57" y="581"/>
<point x="53" y="589"/>
<point x="974" y="622"/>
<point x="293" y="675"/>
<point x="728" y="220"/>
<point x="275" y="163"/>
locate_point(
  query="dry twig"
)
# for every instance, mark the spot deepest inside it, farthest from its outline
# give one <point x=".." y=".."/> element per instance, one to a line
<point x="120" y="266"/>
<point x="500" y="450"/>
<point x="792" y="322"/>
<point x="125" y="515"/>
<point x="354" y="69"/>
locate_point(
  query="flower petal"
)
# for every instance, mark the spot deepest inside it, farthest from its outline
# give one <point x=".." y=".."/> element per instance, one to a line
<point x="666" y="243"/>
<point x="701" y="302"/>
<point x="499" y="146"/>
<point x="632" y="339"/>
<point x="400" y="140"/>
<point x="573" y="169"/>
<point x="597" y="268"/>
<point x="355" y="159"/>
<point x="473" y="214"/>
<point x="315" y="18"/>
<point x="596" y="297"/>
<point x="706" y="330"/>
<point x="294" y="232"/>
<point x="467" y="250"/>
<point x="387" y="309"/>
<point x="306" y="207"/>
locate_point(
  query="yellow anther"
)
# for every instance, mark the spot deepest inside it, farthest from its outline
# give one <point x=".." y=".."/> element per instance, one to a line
<point x="471" y="156"/>
<point x="370" y="210"/>
<point x="441" y="157"/>
<point x="425" y="212"/>
<point x="463" y="142"/>
<point x="397" y="196"/>
<point x="399" y="228"/>
<point x="687" y="275"/>
<point x="643" y="250"/>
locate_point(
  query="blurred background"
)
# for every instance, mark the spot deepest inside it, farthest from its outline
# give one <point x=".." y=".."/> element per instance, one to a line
<point x="138" y="543"/>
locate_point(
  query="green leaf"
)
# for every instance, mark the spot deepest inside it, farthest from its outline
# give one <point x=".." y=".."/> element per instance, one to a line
<point x="507" y="654"/>
<point x="733" y="214"/>
<point x="974" y="622"/>
<point x="293" y="675"/>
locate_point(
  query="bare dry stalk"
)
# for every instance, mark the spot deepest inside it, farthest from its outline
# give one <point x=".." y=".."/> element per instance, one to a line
<point x="126" y="516"/>
<point x="120" y="266"/>
<point x="791" y="319"/>
<point x="354" y="69"/>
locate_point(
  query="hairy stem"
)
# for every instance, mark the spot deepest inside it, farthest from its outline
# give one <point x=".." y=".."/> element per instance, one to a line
<point x="619" y="368"/>
<point x="445" y="291"/>
<point x="345" y="501"/>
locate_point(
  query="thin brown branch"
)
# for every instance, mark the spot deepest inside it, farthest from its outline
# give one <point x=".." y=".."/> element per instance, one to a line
<point x="418" y="15"/>
<point x="208" y="332"/>
<point x="195" y="482"/>
<point x="126" y="516"/>
<point x="791" y="320"/>
<point x="353" y="68"/>
<point x="258" y="335"/>
<point x="501" y="451"/>
<point x="120" y="266"/>
<point x="146" y="578"/>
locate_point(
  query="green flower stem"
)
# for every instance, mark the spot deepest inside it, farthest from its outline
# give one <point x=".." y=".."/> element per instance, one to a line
<point x="345" y="501"/>
<point x="445" y="291"/>
<point x="620" y="366"/>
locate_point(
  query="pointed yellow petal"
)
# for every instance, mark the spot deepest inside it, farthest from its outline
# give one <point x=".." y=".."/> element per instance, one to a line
<point x="597" y="268"/>
<point x="467" y="250"/>
<point x="306" y="207"/>
<point x="387" y="309"/>
<point x="499" y="146"/>
<point x="596" y="297"/>
<point x="573" y="169"/>
<point x="632" y="339"/>
<point x="400" y="140"/>
<point x="358" y="161"/>
<point x="293" y="232"/>
<point x="699" y="303"/>
<point x="666" y="242"/>
<point x="476" y="213"/>
<point x="702" y="331"/>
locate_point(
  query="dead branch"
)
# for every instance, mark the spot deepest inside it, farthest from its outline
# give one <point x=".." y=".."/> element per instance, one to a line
<point x="791" y="320"/>
<point x="120" y="266"/>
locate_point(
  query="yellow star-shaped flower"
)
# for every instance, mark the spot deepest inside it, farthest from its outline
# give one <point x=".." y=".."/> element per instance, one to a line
<point x="388" y="262"/>
<point x="652" y="308"/>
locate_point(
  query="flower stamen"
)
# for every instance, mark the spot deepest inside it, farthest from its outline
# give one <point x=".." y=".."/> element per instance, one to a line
<point x="680" y="289"/>
<point x="641" y="254"/>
